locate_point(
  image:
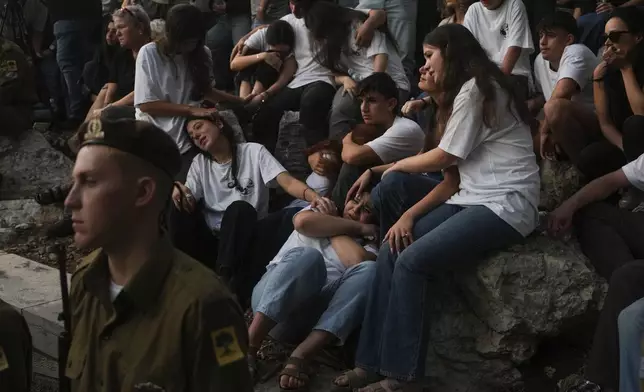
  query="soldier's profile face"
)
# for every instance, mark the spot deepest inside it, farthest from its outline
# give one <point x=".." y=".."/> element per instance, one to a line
<point x="101" y="200"/>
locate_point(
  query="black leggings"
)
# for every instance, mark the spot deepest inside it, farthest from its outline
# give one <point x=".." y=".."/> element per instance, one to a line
<point x="241" y="249"/>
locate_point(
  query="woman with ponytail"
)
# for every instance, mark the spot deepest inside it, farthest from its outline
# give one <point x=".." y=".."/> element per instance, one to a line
<point x="221" y="216"/>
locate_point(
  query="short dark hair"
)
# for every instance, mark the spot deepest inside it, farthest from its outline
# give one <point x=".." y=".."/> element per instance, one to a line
<point x="559" y="20"/>
<point x="280" y="33"/>
<point x="381" y="83"/>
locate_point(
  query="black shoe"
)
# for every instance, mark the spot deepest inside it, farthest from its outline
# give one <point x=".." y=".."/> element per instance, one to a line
<point x="60" y="229"/>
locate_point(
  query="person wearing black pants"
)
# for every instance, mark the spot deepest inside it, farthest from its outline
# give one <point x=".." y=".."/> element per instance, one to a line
<point x="612" y="239"/>
<point x="313" y="101"/>
<point x="241" y="249"/>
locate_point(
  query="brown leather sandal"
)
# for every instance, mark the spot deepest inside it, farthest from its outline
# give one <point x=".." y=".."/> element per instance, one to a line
<point x="301" y="371"/>
<point x="355" y="381"/>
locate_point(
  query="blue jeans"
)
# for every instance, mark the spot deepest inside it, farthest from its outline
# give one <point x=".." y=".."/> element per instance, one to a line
<point x="295" y="294"/>
<point x="226" y="31"/>
<point x="397" y="193"/>
<point x="393" y="339"/>
<point x="631" y="329"/>
<point x="74" y="49"/>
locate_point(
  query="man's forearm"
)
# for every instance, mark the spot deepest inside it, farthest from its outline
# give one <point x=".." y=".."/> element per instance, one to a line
<point x="127" y="100"/>
<point x="598" y="189"/>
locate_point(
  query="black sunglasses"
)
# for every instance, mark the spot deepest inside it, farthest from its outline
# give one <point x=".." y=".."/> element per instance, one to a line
<point x="615" y="36"/>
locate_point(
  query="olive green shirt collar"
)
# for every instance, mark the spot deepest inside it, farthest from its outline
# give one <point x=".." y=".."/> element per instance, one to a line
<point x="144" y="288"/>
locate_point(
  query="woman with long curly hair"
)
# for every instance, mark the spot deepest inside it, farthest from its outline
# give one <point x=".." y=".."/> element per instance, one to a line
<point x="486" y="136"/>
<point x="173" y="77"/>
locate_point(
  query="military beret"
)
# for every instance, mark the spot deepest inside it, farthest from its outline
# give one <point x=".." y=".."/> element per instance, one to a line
<point x="139" y="138"/>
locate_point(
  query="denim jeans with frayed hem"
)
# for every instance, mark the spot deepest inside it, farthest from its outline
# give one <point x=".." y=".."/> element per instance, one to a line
<point x="631" y="329"/>
<point x="394" y="334"/>
<point x="296" y="295"/>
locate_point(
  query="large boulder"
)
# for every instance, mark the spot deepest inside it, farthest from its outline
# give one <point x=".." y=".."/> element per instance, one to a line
<point x="29" y="164"/>
<point x="488" y="319"/>
<point x="559" y="181"/>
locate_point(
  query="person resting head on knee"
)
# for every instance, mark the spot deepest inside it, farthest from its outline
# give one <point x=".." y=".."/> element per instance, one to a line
<point x="258" y="71"/>
<point x="313" y="291"/>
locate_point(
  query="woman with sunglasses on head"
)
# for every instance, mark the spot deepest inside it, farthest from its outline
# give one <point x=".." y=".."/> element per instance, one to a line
<point x="222" y="214"/>
<point x="174" y="76"/>
<point x="132" y="31"/>
<point x="487" y="138"/>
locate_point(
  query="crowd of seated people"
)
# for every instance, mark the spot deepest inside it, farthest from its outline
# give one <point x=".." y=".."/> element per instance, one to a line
<point x="402" y="186"/>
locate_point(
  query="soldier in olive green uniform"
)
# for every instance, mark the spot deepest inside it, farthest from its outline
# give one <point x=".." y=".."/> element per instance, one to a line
<point x="17" y="89"/>
<point x="145" y="317"/>
<point x="15" y="351"/>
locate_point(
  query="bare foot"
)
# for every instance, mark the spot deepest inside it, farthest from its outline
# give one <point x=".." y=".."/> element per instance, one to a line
<point x="343" y="380"/>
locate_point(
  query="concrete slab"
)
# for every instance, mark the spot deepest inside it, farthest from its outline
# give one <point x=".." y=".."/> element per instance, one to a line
<point x="34" y="290"/>
<point x="25" y="283"/>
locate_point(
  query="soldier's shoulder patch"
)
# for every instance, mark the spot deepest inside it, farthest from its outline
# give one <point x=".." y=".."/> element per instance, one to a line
<point x="226" y="346"/>
<point x="4" y="362"/>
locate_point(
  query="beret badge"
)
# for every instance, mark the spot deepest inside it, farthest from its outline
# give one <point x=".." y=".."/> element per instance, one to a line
<point x="94" y="130"/>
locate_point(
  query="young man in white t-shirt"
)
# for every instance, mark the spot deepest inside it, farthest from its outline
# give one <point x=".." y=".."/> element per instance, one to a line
<point x="309" y="86"/>
<point x="503" y="30"/>
<point x="315" y="288"/>
<point x="563" y="72"/>
<point x="402" y="137"/>
<point x="611" y="238"/>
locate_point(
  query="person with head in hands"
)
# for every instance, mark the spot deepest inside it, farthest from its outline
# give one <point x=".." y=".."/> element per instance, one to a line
<point x="564" y="72"/>
<point x="487" y="137"/>
<point x="145" y="316"/>
<point x="222" y="211"/>
<point x="304" y="84"/>
<point x="335" y="30"/>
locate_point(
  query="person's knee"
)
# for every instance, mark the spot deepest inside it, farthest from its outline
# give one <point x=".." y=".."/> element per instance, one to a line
<point x="633" y="130"/>
<point x="630" y="318"/>
<point x="241" y="210"/>
<point x="312" y="262"/>
<point x="390" y="186"/>
<point x="367" y="271"/>
<point x="556" y="110"/>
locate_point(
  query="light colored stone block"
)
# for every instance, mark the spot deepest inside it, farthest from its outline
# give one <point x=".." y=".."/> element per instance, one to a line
<point x="25" y="283"/>
<point x="34" y="289"/>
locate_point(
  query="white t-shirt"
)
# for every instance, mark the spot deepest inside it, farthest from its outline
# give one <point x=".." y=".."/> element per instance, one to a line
<point x="308" y="70"/>
<point x="321" y="185"/>
<point x="360" y="62"/>
<point x="634" y="172"/>
<point x="577" y="63"/>
<point x="499" y="29"/>
<point x="497" y="165"/>
<point x="334" y="267"/>
<point x="158" y="78"/>
<point x="212" y="182"/>
<point x="404" y="139"/>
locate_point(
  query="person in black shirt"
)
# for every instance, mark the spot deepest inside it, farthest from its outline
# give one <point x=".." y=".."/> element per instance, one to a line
<point x="617" y="83"/>
<point x="96" y="71"/>
<point x="132" y="31"/>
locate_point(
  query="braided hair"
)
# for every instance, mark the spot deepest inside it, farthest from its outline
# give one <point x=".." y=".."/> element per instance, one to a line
<point x="229" y="133"/>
